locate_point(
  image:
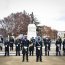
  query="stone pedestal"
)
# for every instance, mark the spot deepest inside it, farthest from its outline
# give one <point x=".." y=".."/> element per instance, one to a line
<point x="31" y="31"/>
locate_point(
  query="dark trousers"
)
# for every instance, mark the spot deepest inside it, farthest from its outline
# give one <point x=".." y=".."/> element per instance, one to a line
<point x="31" y="52"/>
<point x="21" y="47"/>
<point x="64" y="53"/>
<point x="11" y="48"/>
<point x="47" y="49"/>
<point x="17" y="53"/>
<point x="58" y="53"/>
<point x="38" y="57"/>
<point x="0" y="48"/>
<point x="6" y="53"/>
<point x="46" y="53"/>
<point x="25" y="55"/>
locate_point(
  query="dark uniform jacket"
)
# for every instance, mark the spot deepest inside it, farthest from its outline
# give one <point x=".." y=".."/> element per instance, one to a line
<point x="6" y="43"/>
<point x="17" y="45"/>
<point x="39" y="52"/>
<point x="58" y="42"/>
<point x="25" y="43"/>
<point x="11" y="42"/>
<point x="44" y="41"/>
<point x="31" y="46"/>
<point x="1" y="40"/>
<point x="47" y="44"/>
<point x="64" y="45"/>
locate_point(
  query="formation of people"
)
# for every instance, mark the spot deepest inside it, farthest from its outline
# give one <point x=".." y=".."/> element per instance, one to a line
<point x="27" y="47"/>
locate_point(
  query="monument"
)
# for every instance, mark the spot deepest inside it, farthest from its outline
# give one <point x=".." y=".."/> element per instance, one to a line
<point x="31" y="29"/>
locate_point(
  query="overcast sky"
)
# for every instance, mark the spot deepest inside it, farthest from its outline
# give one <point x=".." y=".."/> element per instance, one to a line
<point x="48" y="12"/>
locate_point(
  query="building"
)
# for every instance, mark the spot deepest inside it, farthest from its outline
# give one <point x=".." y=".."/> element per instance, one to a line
<point x="61" y="34"/>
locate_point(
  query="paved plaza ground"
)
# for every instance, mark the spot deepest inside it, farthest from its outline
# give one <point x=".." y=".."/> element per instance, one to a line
<point x="47" y="60"/>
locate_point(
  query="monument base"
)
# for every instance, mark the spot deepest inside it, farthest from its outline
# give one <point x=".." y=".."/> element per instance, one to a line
<point x="31" y="31"/>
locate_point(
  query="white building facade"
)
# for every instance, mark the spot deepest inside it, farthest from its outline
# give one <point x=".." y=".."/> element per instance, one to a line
<point x="61" y="34"/>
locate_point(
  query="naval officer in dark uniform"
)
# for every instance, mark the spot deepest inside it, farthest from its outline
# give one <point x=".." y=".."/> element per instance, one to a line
<point x="47" y="44"/>
<point x="17" y="44"/>
<point x="64" y="47"/>
<point x="6" y="43"/>
<point x="58" y="46"/>
<point x="11" y="43"/>
<point x="39" y="50"/>
<point x="1" y="41"/>
<point x="31" y="46"/>
<point x="25" y="46"/>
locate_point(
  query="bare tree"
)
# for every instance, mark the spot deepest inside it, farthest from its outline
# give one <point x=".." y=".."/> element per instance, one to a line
<point x="17" y="23"/>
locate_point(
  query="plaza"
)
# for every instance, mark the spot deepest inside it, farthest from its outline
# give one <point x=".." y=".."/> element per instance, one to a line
<point x="47" y="60"/>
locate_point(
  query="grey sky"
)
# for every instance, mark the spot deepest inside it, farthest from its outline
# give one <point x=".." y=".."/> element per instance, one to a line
<point x="48" y="12"/>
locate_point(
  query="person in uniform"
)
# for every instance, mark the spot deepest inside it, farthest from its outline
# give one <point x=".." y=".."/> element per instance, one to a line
<point x="1" y="41"/>
<point x="38" y="50"/>
<point x="21" y="43"/>
<point x="47" y="43"/>
<point x="25" y="46"/>
<point x="31" y="46"/>
<point x="17" y="44"/>
<point x="64" y="47"/>
<point x="58" y="46"/>
<point x="11" y="43"/>
<point x="44" y="41"/>
<point x="6" y="43"/>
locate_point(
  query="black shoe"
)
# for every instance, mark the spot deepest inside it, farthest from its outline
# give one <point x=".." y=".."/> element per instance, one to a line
<point x="36" y="60"/>
<point x="41" y="61"/>
<point x="4" y="55"/>
<point x="32" y="55"/>
<point x="19" y="54"/>
<point x="22" y="60"/>
<point x="45" y="55"/>
<point x="27" y="60"/>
